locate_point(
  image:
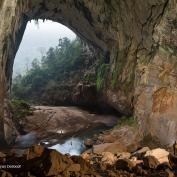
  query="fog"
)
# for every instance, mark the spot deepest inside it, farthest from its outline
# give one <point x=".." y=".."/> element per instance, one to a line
<point x="38" y="38"/>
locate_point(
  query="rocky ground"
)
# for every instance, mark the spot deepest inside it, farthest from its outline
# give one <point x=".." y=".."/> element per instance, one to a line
<point x="40" y="162"/>
<point x="143" y="162"/>
<point x="55" y="124"/>
<point x="117" y="152"/>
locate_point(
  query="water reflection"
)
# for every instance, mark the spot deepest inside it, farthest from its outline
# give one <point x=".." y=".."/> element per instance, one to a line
<point x="25" y="141"/>
<point x="72" y="146"/>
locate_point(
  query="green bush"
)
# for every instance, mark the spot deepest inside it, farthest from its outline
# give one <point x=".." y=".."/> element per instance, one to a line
<point x="123" y="121"/>
<point x="102" y="76"/>
<point x="90" y="77"/>
<point x="20" y="109"/>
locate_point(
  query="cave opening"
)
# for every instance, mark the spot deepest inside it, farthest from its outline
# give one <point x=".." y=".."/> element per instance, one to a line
<point x="136" y="76"/>
<point x="70" y="81"/>
<point x="74" y="17"/>
<point x="43" y="61"/>
<point x="54" y="88"/>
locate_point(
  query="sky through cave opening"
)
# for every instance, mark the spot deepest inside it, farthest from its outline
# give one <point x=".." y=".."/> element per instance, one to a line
<point x="37" y="39"/>
<point x="50" y="63"/>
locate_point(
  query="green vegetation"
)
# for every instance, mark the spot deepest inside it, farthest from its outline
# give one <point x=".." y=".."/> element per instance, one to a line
<point x="90" y="77"/>
<point x="102" y="74"/>
<point x="20" y="109"/>
<point x="129" y="121"/>
<point x="50" y="80"/>
<point x="114" y="79"/>
<point x="118" y="68"/>
<point x="47" y="74"/>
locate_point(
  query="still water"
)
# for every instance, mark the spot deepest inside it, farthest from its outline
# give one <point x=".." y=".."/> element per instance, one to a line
<point x="75" y="145"/>
<point x="72" y="146"/>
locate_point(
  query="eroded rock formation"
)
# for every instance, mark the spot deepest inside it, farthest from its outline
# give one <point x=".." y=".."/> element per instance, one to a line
<point x="140" y="37"/>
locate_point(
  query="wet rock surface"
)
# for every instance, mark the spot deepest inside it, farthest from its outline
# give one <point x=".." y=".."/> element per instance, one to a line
<point x="49" y="125"/>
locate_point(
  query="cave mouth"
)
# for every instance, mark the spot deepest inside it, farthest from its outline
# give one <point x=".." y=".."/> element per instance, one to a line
<point x="41" y="43"/>
<point x="54" y="88"/>
<point x="42" y="64"/>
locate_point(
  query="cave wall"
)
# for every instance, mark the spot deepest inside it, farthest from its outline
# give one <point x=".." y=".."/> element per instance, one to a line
<point x="140" y="36"/>
<point x="12" y="26"/>
<point x="156" y="80"/>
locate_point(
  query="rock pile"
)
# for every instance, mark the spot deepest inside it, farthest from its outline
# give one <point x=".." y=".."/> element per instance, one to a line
<point x="144" y="162"/>
<point x="40" y="162"/>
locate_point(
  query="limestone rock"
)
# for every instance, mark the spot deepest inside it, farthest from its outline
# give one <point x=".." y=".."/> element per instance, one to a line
<point x="35" y="151"/>
<point x="58" y="163"/>
<point x="123" y="155"/>
<point x="124" y="164"/>
<point x="169" y="173"/>
<point x="160" y="154"/>
<point x="108" y="158"/>
<point x="108" y="147"/>
<point x="126" y="136"/>
<point x="88" y="143"/>
<point x="85" y="155"/>
<point x="172" y="161"/>
<point x="74" y="167"/>
<point x="136" y="161"/>
<point x="142" y="151"/>
<point x="151" y="162"/>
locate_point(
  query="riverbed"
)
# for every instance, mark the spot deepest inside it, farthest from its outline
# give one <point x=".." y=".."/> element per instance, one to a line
<point x="62" y="128"/>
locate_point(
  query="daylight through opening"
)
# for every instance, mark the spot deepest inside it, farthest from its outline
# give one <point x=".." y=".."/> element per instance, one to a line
<point x="54" y="69"/>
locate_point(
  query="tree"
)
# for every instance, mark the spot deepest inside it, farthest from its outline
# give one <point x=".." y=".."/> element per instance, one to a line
<point x="56" y="66"/>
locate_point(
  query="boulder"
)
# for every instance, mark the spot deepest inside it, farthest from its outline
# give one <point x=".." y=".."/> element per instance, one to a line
<point x="108" y="158"/>
<point x="124" y="164"/>
<point x="59" y="163"/>
<point x="123" y="155"/>
<point x="86" y="156"/>
<point x="160" y="154"/>
<point x="88" y="143"/>
<point x="139" y="153"/>
<point x="150" y="162"/>
<point x="35" y="151"/>
<point x="169" y="173"/>
<point x="75" y="168"/>
<point x="163" y="166"/>
<point x="172" y="161"/>
<point x="139" y="170"/>
<point x="136" y="161"/>
<point x="109" y="147"/>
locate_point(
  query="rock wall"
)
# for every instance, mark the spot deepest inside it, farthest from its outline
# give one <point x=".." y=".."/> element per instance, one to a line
<point x="138" y="38"/>
<point x="12" y="26"/>
<point x="156" y="76"/>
